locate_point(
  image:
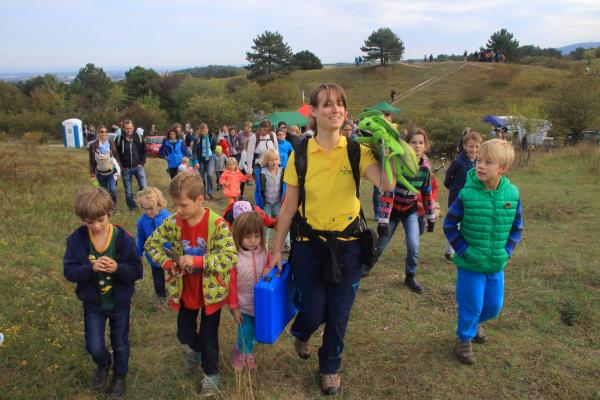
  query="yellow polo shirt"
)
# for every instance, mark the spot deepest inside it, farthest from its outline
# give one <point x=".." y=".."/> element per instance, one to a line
<point x="331" y="202"/>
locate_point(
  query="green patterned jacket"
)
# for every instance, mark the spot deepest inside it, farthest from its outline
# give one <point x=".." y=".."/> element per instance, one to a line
<point x="219" y="259"/>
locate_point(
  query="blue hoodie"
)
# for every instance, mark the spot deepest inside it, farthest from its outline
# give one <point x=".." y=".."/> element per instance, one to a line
<point x="173" y="152"/>
<point x="145" y="227"/>
<point x="456" y="175"/>
<point x="284" y="148"/>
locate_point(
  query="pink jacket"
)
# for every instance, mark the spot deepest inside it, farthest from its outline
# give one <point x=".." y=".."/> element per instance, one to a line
<point x="250" y="268"/>
<point x="231" y="181"/>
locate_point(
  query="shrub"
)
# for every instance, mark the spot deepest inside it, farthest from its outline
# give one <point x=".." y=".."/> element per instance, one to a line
<point x="3" y="136"/>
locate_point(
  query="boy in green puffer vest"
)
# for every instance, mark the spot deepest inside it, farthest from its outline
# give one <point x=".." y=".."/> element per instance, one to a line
<point x="484" y="225"/>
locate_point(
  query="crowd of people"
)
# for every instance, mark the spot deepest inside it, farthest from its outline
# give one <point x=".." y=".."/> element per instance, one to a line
<point x="306" y="188"/>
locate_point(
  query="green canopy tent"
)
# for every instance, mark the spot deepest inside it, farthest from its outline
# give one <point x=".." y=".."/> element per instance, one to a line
<point x="289" y="117"/>
<point x="383" y="107"/>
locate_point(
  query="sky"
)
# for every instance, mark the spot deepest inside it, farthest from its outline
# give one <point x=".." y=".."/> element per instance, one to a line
<point x="57" y="34"/>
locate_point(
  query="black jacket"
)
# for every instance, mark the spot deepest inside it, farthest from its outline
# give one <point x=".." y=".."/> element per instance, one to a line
<point x="127" y="156"/>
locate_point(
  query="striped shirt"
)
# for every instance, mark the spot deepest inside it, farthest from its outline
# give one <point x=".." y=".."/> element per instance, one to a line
<point x="405" y="202"/>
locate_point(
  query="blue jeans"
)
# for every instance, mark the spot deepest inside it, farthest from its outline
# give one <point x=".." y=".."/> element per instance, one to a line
<point x="94" y="323"/>
<point x="128" y="174"/>
<point x="109" y="183"/>
<point x="272" y="210"/>
<point x="479" y="297"/>
<point x="321" y="302"/>
<point x="207" y="171"/>
<point x="411" y="232"/>
<point x="246" y="339"/>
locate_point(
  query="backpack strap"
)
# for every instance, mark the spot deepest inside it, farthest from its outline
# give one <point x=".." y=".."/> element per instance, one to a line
<point x="301" y="164"/>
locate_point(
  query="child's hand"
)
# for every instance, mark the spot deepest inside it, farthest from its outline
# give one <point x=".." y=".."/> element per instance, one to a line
<point x="186" y="262"/>
<point x="99" y="266"/>
<point x="237" y="316"/>
<point x="110" y="265"/>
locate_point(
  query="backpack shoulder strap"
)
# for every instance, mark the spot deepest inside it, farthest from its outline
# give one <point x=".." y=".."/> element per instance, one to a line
<point x="301" y="164"/>
<point x="354" y="157"/>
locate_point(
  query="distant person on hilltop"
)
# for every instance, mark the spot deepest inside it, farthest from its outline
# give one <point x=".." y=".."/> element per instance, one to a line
<point x="392" y="96"/>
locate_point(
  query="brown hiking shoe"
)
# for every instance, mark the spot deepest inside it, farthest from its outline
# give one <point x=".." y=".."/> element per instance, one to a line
<point x="330" y="384"/>
<point x="480" y="336"/>
<point x="303" y="349"/>
<point x="464" y="352"/>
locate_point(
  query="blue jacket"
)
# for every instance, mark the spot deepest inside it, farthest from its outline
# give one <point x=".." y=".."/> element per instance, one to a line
<point x="456" y="175"/>
<point x="173" y="152"/>
<point x="145" y="227"/>
<point x="285" y="149"/>
<point x="78" y="269"/>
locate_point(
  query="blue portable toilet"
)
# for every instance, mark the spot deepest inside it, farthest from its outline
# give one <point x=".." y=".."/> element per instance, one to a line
<point x="73" y="133"/>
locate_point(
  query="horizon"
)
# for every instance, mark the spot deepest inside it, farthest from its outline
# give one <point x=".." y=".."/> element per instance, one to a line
<point x="221" y="34"/>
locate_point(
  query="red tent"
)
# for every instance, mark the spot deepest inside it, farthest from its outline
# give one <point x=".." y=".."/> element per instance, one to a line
<point x="304" y="110"/>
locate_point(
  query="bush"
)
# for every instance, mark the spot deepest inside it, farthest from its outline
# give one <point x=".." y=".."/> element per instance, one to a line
<point x="3" y="136"/>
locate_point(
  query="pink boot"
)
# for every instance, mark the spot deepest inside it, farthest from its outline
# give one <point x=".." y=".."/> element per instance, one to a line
<point x="250" y="362"/>
<point x="237" y="359"/>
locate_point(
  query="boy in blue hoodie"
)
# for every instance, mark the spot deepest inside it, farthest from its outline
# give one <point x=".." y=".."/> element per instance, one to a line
<point x="456" y="175"/>
<point x="101" y="259"/>
<point x="484" y="225"/>
<point x="152" y="202"/>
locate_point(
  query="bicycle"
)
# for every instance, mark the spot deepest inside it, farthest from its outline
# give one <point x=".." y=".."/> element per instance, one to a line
<point x="442" y="165"/>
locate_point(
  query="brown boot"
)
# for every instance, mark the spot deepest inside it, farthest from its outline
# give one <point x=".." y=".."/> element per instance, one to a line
<point x="330" y="384"/>
<point x="464" y="352"/>
<point x="480" y="336"/>
<point x="303" y="349"/>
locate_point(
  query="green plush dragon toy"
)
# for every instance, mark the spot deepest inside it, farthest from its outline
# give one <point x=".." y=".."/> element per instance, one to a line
<point x="381" y="134"/>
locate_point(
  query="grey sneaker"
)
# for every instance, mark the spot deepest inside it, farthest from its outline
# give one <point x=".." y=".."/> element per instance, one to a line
<point x="209" y="386"/>
<point x="464" y="352"/>
<point x="303" y="349"/>
<point x="480" y="336"/>
<point x="192" y="361"/>
<point x="330" y="384"/>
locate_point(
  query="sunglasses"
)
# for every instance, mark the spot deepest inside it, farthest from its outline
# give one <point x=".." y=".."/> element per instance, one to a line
<point x="149" y="209"/>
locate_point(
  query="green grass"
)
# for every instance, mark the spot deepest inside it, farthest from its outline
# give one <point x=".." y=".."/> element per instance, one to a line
<point x="545" y="344"/>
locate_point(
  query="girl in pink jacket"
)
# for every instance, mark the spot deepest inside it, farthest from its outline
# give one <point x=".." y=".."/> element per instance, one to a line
<point x="253" y="262"/>
<point x="231" y="180"/>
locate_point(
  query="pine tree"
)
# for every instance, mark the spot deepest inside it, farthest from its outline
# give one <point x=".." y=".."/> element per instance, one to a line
<point x="504" y="42"/>
<point x="271" y="56"/>
<point x="383" y="45"/>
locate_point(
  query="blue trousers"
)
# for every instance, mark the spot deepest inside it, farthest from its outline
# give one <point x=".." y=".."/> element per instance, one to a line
<point x="411" y="233"/>
<point x="207" y="171"/>
<point x="128" y="174"/>
<point x="246" y="339"/>
<point x="319" y="301"/>
<point x="109" y="183"/>
<point x="94" y="324"/>
<point x="479" y="297"/>
<point x="158" y="278"/>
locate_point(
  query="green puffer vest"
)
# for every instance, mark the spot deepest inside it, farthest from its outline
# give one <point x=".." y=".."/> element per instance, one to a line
<point x="487" y="220"/>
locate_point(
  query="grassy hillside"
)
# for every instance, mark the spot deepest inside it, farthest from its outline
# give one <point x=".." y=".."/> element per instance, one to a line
<point x="472" y="89"/>
<point x="544" y="345"/>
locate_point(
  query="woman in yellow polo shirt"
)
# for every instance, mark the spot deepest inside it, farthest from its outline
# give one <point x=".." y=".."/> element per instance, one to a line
<point x="326" y="265"/>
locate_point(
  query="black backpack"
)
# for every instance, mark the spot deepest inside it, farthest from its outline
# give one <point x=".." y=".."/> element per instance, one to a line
<point x="357" y="228"/>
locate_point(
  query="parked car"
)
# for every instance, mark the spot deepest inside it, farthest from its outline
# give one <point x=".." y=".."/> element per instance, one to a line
<point x="153" y="145"/>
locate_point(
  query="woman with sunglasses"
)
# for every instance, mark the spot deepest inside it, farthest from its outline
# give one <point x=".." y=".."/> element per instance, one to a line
<point x="104" y="163"/>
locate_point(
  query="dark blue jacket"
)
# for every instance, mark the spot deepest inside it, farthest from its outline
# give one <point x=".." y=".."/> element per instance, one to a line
<point x="456" y="175"/>
<point x="78" y="269"/>
<point x="173" y="152"/>
<point x="145" y="227"/>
